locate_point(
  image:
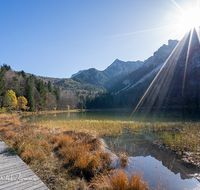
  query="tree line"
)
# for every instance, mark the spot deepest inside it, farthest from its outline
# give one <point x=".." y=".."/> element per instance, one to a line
<point x="19" y="90"/>
<point x="37" y="95"/>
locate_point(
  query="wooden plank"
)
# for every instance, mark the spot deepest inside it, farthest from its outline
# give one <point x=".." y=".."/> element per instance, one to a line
<point x="17" y="179"/>
<point x="15" y="174"/>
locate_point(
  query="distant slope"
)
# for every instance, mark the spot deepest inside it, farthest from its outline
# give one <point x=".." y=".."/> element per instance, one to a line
<point x="104" y="79"/>
<point x="93" y="77"/>
<point x="79" y="72"/>
<point x="150" y="67"/>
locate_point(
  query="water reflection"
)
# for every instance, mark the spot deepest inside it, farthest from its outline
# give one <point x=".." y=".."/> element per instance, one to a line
<point x="161" y="168"/>
<point x="119" y="114"/>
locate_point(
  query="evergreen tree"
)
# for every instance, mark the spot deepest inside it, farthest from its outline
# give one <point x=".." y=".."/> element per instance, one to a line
<point x="2" y="87"/>
<point x="5" y="67"/>
<point x="29" y="95"/>
<point x="41" y="89"/>
<point x="16" y="85"/>
<point x="57" y="95"/>
<point x="50" y="87"/>
<point x="22" y="73"/>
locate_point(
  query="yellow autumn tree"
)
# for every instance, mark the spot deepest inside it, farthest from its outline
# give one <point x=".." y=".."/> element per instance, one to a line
<point x="10" y="99"/>
<point x="21" y="103"/>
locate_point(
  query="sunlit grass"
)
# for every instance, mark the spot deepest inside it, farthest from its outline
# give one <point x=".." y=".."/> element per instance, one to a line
<point x="74" y="152"/>
<point x="175" y="135"/>
<point x="185" y="137"/>
<point x="109" y="128"/>
<point x="63" y="157"/>
<point x="120" y="180"/>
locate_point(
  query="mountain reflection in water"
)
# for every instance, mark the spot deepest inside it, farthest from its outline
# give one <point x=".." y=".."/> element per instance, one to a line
<point x="161" y="168"/>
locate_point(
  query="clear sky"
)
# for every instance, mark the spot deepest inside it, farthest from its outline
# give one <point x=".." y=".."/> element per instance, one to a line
<point x="57" y="38"/>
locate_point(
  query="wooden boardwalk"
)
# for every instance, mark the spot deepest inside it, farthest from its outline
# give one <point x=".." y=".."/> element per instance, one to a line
<point x="15" y="174"/>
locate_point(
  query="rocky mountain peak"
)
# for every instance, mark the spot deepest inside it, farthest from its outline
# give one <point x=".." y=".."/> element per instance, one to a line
<point x="118" y="67"/>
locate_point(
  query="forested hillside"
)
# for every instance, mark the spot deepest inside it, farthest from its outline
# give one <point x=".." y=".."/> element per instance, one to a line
<point x="41" y="93"/>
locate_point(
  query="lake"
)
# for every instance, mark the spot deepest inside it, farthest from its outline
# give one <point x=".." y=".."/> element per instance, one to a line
<point x="175" y="115"/>
<point x="161" y="168"/>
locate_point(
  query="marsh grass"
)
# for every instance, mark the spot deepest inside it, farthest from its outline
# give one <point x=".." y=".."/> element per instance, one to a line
<point x="185" y="138"/>
<point x="71" y="154"/>
<point x="177" y="136"/>
<point x="63" y="157"/>
<point x="109" y="128"/>
<point x="120" y="180"/>
<point x="76" y="155"/>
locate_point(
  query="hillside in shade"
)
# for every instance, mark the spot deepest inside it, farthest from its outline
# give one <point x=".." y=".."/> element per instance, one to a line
<point x="176" y="84"/>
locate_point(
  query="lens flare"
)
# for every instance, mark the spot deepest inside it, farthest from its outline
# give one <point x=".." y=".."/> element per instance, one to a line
<point x="190" y="19"/>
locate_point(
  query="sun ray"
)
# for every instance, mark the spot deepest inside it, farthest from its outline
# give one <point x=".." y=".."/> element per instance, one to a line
<point x="178" y="6"/>
<point x="186" y="62"/>
<point x="198" y="32"/>
<point x="161" y="83"/>
<point x="143" y="31"/>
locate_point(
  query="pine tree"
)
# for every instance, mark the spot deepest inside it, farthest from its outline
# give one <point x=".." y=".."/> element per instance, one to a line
<point x="41" y="89"/>
<point x="22" y="73"/>
<point x="29" y="95"/>
<point x="2" y="88"/>
<point x="50" y="87"/>
<point x="5" y="67"/>
<point x="16" y="85"/>
<point x="57" y="95"/>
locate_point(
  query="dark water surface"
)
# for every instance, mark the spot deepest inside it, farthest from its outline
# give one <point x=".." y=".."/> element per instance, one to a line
<point x="161" y="168"/>
<point x="175" y="115"/>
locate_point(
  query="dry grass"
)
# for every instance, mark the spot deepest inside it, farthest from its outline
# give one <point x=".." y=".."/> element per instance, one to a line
<point x="50" y="112"/>
<point x="120" y="180"/>
<point x="73" y="157"/>
<point x="93" y="127"/>
<point x="124" y="159"/>
<point x="69" y="154"/>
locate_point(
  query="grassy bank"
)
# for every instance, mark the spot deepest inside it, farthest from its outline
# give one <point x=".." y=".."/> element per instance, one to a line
<point x="67" y="155"/>
<point x="182" y="138"/>
<point x="52" y="111"/>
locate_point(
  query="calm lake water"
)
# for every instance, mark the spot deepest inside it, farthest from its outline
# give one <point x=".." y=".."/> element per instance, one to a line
<point x="120" y="115"/>
<point x="161" y="168"/>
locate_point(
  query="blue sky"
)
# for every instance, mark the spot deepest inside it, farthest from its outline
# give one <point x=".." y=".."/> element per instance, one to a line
<point x="56" y="38"/>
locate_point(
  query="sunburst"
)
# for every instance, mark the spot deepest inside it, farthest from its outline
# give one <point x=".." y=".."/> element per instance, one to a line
<point x="190" y="19"/>
<point x="190" y="25"/>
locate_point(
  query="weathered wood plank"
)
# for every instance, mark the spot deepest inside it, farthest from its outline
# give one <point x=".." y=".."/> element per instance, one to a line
<point x="17" y="179"/>
<point x="15" y="174"/>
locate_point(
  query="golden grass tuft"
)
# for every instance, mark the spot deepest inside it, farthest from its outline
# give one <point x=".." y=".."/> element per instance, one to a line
<point x="31" y="154"/>
<point x="124" y="159"/>
<point x="3" y="129"/>
<point x="120" y="180"/>
<point x="54" y="139"/>
<point x="65" y="141"/>
<point x="10" y="135"/>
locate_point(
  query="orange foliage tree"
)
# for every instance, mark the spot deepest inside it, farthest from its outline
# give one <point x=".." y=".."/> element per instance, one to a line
<point x="21" y="103"/>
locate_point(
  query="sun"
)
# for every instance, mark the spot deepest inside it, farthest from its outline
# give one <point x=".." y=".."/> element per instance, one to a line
<point x="190" y="19"/>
